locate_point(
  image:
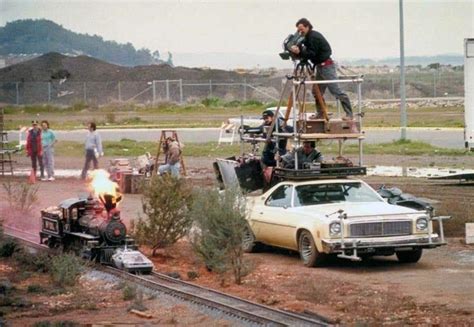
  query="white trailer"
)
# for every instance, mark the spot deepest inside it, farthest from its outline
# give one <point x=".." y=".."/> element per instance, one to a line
<point x="469" y="94"/>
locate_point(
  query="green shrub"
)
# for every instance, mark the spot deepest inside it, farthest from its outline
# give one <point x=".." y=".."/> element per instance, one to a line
<point x="8" y="246"/>
<point x="211" y="102"/>
<point x="129" y="292"/>
<point x="39" y="262"/>
<point x="220" y="220"/>
<point x="65" y="269"/>
<point x="165" y="204"/>
<point x="35" y="288"/>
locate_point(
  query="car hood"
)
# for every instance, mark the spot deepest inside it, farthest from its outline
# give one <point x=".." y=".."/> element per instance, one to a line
<point x="356" y="209"/>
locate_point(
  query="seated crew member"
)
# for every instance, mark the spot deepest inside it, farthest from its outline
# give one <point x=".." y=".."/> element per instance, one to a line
<point x="306" y="154"/>
<point x="271" y="148"/>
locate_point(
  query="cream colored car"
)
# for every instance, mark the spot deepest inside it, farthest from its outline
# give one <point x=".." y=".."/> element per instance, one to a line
<point x="343" y="217"/>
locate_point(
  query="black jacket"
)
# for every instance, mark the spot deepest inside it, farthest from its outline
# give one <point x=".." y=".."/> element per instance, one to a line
<point x="315" y="48"/>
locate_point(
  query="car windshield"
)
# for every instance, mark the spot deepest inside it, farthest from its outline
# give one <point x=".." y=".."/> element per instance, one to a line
<point x="307" y="195"/>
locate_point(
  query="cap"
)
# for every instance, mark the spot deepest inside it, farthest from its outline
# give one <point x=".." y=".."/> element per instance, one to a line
<point x="268" y="113"/>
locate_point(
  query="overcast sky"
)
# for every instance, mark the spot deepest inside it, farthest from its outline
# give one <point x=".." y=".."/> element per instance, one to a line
<point x="355" y="29"/>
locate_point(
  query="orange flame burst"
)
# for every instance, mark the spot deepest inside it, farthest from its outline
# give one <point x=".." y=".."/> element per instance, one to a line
<point x="101" y="185"/>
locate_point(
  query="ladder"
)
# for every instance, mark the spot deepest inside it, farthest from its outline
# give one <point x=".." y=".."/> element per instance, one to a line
<point x="164" y="135"/>
<point x="6" y="162"/>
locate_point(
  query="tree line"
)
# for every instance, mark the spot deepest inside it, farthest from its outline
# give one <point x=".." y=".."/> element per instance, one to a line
<point x="30" y="36"/>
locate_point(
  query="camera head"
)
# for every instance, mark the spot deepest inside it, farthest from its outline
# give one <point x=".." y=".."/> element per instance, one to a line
<point x="292" y="39"/>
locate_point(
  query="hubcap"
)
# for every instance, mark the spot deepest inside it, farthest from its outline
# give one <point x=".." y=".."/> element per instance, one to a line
<point x="306" y="248"/>
<point x="247" y="238"/>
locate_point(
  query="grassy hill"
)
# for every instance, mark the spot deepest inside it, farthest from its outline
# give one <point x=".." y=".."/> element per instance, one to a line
<point x="42" y="36"/>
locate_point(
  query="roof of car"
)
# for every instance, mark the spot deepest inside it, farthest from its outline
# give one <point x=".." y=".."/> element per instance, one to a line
<point x="322" y="181"/>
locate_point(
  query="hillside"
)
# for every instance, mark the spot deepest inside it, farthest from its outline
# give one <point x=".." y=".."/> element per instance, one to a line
<point x="42" y="36"/>
<point x="53" y="66"/>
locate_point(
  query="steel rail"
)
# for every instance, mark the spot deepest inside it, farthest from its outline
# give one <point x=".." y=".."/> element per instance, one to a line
<point x="231" y="305"/>
<point x="272" y="311"/>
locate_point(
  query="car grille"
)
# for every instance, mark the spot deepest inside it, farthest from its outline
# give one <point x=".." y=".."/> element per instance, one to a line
<point x="387" y="228"/>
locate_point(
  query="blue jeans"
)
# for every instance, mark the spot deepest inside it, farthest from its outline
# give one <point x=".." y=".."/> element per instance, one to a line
<point x="167" y="168"/>
<point x="90" y="156"/>
<point x="329" y="73"/>
<point x="48" y="160"/>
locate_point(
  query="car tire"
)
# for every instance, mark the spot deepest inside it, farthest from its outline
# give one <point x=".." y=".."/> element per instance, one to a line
<point x="308" y="251"/>
<point x="409" y="256"/>
<point x="249" y="244"/>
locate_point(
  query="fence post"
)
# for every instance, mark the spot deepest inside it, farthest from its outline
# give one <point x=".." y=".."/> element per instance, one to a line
<point x="49" y="91"/>
<point x="393" y="88"/>
<point x="210" y="88"/>
<point x="17" y="93"/>
<point x="181" y="90"/>
<point x="119" y="92"/>
<point x="245" y="89"/>
<point x="153" y="84"/>
<point x="84" y="86"/>
<point x="167" y="90"/>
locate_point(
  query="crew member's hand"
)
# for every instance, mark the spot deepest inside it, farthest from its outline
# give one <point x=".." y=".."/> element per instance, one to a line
<point x="295" y="49"/>
<point x="277" y="157"/>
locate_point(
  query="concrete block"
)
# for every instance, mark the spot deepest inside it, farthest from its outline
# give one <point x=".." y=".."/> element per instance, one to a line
<point x="470" y="233"/>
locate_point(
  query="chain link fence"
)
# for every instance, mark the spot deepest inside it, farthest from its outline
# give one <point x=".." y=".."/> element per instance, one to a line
<point x="387" y="86"/>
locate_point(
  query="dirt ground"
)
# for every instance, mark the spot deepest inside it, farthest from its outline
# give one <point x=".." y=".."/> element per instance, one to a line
<point x="436" y="291"/>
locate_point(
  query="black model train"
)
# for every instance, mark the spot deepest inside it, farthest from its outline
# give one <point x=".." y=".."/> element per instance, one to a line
<point x="83" y="226"/>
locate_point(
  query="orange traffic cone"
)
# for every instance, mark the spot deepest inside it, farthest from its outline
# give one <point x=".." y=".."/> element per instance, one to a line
<point x="32" y="178"/>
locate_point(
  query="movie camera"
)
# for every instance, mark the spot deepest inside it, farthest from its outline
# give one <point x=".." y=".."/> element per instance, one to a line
<point x="291" y="40"/>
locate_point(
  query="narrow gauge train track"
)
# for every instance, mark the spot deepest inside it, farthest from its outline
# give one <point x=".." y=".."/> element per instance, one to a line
<point x="231" y="305"/>
<point x="26" y="238"/>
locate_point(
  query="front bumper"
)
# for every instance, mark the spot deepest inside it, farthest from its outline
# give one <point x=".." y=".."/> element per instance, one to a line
<point x="381" y="244"/>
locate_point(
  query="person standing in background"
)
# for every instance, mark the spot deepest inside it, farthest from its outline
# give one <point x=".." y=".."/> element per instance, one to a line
<point x="93" y="147"/>
<point x="48" y="139"/>
<point x="34" y="150"/>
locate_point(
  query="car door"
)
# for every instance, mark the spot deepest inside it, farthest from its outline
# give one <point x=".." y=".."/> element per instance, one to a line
<point x="273" y="222"/>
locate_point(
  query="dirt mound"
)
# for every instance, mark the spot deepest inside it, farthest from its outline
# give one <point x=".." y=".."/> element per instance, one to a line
<point x="83" y="68"/>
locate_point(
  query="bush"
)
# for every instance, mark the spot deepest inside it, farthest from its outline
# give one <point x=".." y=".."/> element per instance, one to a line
<point x="21" y="196"/>
<point x="35" y="288"/>
<point x="65" y="269"/>
<point x="220" y="220"/>
<point x="211" y="102"/>
<point x="8" y="246"/>
<point x="165" y="203"/>
<point x="36" y="262"/>
<point x="129" y="292"/>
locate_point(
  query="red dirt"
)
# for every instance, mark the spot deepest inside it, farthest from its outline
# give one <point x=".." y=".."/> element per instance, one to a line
<point x="437" y="290"/>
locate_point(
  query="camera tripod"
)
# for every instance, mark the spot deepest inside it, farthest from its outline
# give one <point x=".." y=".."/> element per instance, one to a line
<point x="303" y="71"/>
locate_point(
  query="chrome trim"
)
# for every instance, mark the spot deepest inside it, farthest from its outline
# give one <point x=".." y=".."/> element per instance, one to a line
<point x="380" y="228"/>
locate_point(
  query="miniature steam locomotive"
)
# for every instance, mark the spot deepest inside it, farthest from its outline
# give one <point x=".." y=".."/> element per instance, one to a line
<point x="81" y="225"/>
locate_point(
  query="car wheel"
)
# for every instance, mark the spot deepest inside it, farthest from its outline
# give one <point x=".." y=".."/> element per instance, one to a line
<point x="249" y="244"/>
<point x="409" y="256"/>
<point x="308" y="252"/>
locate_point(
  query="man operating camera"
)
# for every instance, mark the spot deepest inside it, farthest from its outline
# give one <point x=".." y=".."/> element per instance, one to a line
<point x="316" y="49"/>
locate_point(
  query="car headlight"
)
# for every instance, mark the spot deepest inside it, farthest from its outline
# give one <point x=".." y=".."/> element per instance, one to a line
<point x="335" y="228"/>
<point x="421" y="224"/>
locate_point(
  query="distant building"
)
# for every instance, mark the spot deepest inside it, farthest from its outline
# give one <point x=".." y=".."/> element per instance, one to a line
<point x="3" y="63"/>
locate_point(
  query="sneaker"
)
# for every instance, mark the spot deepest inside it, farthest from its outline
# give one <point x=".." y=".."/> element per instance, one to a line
<point x="348" y="118"/>
<point x="44" y="179"/>
<point x="51" y="179"/>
